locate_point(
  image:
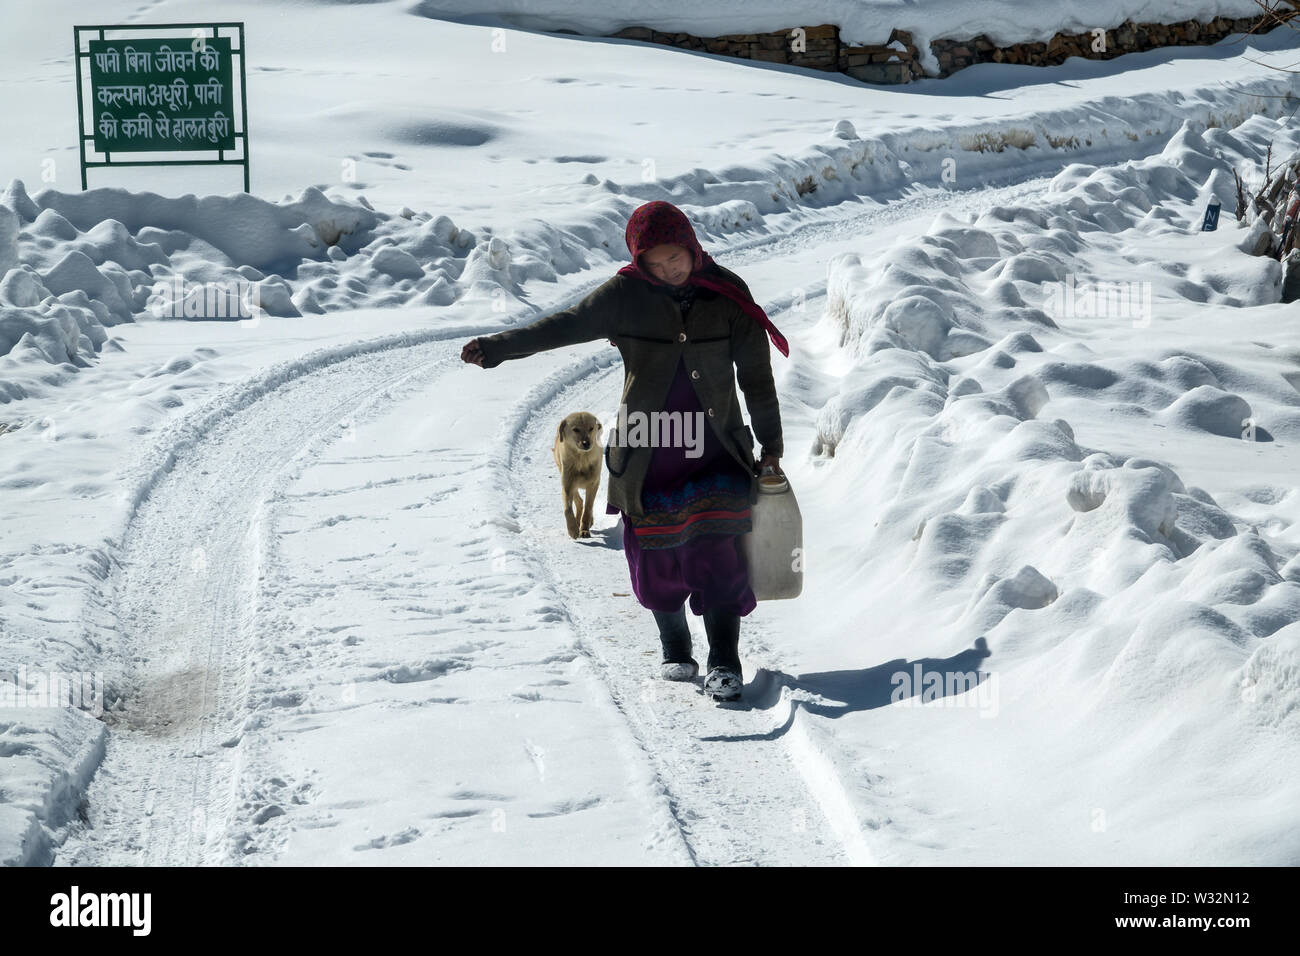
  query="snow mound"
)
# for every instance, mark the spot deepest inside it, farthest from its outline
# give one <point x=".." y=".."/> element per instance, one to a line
<point x="38" y="326"/>
<point x="1271" y="679"/>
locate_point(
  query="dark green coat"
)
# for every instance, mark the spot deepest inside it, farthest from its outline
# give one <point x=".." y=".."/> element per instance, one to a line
<point x="720" y="343"/>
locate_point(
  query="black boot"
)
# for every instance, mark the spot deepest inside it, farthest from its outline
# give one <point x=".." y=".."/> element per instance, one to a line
<point x="675" y="638"/>
<point x="724" y="674"/>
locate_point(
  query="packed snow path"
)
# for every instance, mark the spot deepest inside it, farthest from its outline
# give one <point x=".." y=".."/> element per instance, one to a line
<point x="188" y="599"/>
<point x="219" y="617"/>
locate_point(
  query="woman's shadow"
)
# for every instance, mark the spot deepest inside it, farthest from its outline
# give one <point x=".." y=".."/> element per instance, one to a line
<point x="837" y="693"/>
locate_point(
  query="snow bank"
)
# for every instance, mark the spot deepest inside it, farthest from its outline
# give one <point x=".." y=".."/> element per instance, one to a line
<point x="861" y="21"/>
<point x="923" y="297"/>
<point x="1127" y="607"/>
<point x="50" y="755"/>
<point x="76" y="263"/>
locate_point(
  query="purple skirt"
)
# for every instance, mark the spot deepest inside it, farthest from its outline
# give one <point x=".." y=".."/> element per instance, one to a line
<point x="687" y="543"/>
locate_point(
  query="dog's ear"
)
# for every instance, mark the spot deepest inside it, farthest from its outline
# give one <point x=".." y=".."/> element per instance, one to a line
<point x="559" y="435"/>
<point x="599" y="428"/>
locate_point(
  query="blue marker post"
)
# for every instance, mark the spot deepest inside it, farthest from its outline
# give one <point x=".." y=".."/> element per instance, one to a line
<point x="1211" y="216"/>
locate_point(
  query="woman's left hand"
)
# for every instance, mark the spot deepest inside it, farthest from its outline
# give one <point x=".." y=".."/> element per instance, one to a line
<point x="769" y="461"/>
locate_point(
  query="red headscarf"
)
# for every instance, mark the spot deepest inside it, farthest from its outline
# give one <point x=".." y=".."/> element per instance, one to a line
<point x="658" y="222"/>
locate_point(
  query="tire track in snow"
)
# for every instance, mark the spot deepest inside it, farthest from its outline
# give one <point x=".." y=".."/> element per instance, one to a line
<point x="186" y="590"/>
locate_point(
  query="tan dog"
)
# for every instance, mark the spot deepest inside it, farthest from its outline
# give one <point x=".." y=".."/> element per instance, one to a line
<point x="578" y="455"/>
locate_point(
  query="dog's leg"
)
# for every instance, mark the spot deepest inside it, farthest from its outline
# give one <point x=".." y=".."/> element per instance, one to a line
<point x="588" y="508"/>
<point x="571" y="507"/>
<point x="591" y="499"/>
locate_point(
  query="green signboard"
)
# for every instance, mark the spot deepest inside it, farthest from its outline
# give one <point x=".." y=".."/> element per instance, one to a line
<point x="162" y="94"/>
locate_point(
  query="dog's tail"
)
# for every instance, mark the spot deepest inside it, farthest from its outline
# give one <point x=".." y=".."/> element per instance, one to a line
<point x="555" y="449"/>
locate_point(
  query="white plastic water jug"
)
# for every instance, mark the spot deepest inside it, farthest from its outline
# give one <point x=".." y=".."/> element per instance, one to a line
<point x="774" y="549"/>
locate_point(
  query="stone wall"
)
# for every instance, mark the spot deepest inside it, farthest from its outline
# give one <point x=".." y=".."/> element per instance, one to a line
<point x="899" y="59"/>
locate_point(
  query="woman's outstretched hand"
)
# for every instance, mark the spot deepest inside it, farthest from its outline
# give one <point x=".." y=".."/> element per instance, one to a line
<point x="472" y="353"/>
<point x="769" y="461"/>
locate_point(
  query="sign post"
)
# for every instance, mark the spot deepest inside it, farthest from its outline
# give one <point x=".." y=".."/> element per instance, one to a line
<point x="170" y="94"/>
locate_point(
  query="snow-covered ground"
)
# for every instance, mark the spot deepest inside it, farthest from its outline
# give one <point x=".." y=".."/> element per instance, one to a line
<point x="318" y="557"/>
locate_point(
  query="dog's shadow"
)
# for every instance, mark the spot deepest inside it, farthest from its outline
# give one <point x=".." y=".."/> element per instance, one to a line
<point x="611" y="537"/>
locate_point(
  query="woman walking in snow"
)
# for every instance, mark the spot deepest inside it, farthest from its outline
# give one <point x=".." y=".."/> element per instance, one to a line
<point x="687" y="330"/>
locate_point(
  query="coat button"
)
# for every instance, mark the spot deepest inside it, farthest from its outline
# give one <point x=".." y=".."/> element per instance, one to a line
<point x="695" y="373"/>
<point x="710" y="413"/>
<point x="681" y="337"/>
